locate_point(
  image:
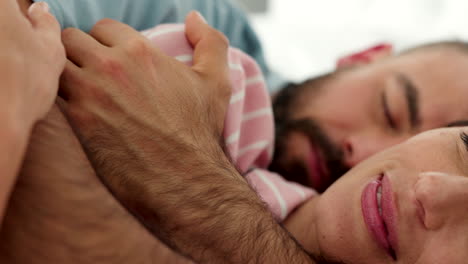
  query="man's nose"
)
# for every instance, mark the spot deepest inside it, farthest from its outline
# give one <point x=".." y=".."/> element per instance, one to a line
<point x="443" y="198"/>
<point x="357" y="148"/>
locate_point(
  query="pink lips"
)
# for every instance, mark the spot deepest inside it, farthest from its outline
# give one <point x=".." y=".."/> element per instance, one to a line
<point x="382" y="227"/>
<point x="317" y="172"/>
<point x="389" y="213"/>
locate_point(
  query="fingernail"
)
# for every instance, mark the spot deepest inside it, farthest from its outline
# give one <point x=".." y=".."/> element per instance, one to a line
<point x="200" y="17"/>
<point x="43" y="6"/>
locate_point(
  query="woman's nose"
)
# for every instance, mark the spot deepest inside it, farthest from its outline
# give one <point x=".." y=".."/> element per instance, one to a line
<point x="444" y="198"/>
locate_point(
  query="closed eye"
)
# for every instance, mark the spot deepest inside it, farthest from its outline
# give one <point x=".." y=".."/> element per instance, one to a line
<point x="388" y="116"/>
<point x="464" y="138"/>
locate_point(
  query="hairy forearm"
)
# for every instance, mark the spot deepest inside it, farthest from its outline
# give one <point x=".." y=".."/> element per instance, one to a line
<point x="229" y="225"/>
<point x="212" y="215"/>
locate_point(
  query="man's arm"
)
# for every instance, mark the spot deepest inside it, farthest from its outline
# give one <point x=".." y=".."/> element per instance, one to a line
<point x="32" y="60"/>
<point x="151" y="127"/>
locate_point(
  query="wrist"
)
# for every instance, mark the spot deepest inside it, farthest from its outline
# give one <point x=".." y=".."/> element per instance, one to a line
<point x="13" y="139"/>
<point x="15" y="124"/>
<point x="16" y="120"/>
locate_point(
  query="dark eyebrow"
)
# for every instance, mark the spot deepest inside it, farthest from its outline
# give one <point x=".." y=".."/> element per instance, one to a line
<point x="412" y="99"/>
<point x="459" y="123"/>
<point x="464" y="138"/>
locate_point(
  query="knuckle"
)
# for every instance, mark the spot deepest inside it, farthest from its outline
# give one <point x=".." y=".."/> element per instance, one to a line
<point x="138" y="47"/>
<point x="101" y="23"/>
<point x="49" y="19"/>
<point x="104" y="21"/>
<point x="220" y="38"/>
<point x="68" y="33"/>
<point x="109" y="65"/>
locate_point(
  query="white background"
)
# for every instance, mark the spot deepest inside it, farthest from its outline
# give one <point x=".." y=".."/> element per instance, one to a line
<point x="305" y="37"/>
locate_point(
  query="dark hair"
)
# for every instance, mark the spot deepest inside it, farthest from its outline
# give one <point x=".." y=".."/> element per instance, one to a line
<point x="286" y="99"/>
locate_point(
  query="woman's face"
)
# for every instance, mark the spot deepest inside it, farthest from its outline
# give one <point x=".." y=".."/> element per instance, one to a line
<point x="424" y="205"/>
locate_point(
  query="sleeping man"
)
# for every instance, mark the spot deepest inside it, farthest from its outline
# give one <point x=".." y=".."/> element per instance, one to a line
<point x="307" y="151"/>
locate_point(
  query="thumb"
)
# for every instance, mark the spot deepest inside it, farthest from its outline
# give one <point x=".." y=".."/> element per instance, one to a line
<point x="42" y="20"/>
<point x="210" y="55"/>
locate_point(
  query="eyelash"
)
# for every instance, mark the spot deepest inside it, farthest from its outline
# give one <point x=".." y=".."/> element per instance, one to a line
<point x="387" y="114"/>
<point x="464" y="138"/>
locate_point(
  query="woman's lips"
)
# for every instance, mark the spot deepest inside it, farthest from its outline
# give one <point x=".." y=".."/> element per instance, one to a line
<point x="380" y="225"/>
<point x="389" y="214"/>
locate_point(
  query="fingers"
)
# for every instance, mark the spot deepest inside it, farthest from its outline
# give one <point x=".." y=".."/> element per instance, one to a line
<point x="44" y="22"/>
<point x="210" y="47"/>
<point x="80" y="47"/>
<point x="112" y="33"/>
<point x="70" y="82"/>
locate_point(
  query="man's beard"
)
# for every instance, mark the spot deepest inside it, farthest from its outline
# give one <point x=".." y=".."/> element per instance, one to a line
<point x="295" y="169"/>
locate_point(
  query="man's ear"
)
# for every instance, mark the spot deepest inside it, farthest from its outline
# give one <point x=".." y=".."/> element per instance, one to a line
<point x="367" y="56"/>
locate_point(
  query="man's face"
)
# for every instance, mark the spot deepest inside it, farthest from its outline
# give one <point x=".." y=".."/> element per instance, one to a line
<point x="361" y="111"/>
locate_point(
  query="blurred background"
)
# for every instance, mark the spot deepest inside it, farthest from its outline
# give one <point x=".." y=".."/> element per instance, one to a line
<point x="305" y="37"/>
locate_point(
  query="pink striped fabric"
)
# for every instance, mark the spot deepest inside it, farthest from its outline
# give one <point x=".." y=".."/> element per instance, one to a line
<point x="249" y="128"/>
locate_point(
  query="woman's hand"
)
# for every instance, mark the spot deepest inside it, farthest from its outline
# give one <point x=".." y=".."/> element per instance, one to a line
<point x="32" y="61"/>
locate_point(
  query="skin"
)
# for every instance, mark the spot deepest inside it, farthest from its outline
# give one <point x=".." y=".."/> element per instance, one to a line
<point x="55" y="152"/>
<point x="430" y="169"/>
<point x="147" y="150"/>
<point x="24" y="5"/>
<point x="359" y="127"/>
<point x="338" y="233"/>
<point x="28" y="87"/>
<point x="70" y="229"/>
<point x="84" y="246"/>
<point x="85" y="224"/>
